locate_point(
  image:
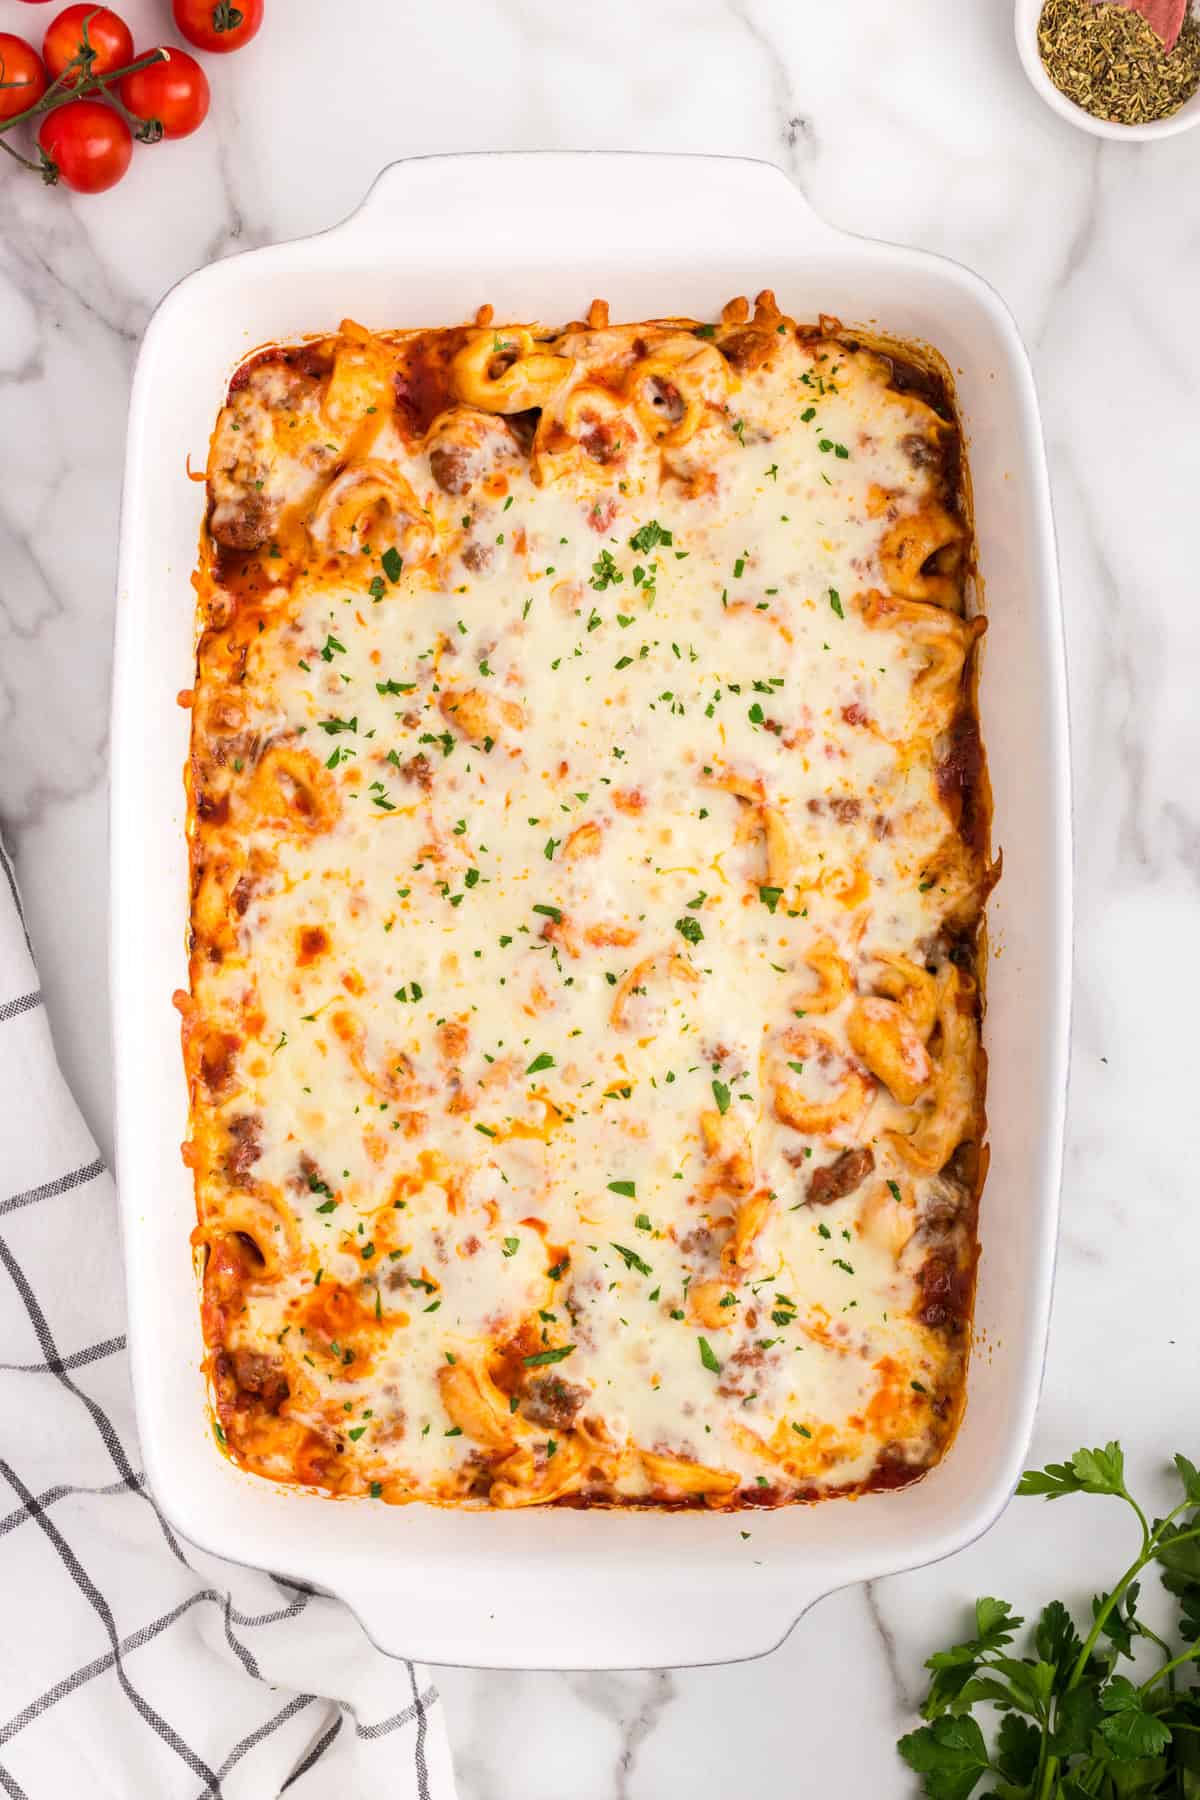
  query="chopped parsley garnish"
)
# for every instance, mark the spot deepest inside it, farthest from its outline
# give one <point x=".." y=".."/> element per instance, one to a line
<point x="628" y="1188"/>
<point x="605" y="572"/>
<point x="393" y="563"/>
<point x="543" y="1357"/>
<point x="650" y="535"/>
<point x="721" y="1096"/>
<point x="708" y="1357"/>
<point x="691" y="929"/>
<point x="632" y="1259"/>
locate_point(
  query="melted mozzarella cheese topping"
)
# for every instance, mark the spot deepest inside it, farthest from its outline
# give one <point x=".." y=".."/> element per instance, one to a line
<point x="590" y="887"/>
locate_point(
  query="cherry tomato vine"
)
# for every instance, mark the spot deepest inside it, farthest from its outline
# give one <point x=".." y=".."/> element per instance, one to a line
<point x="89" y="97"/>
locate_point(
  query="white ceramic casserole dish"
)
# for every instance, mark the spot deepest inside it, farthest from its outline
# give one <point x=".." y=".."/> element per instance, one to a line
<point x="538" y="236"/>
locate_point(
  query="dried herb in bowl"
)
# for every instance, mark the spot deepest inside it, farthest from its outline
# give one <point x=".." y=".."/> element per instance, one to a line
<point x="1110" y="60"/>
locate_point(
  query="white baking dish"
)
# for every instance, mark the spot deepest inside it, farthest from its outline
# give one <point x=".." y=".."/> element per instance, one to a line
<point x="538" y="236"/>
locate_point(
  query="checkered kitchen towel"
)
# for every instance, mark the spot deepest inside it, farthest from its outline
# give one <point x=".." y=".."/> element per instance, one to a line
<point x="131" y="1664"/>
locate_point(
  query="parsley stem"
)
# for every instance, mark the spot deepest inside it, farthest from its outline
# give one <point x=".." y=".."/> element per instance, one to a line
<point x="1131" y="1573"/>
<point x="1048" y="1771"/>
<point x="1153" y="1638"/>
<point x="1176" y="1662"/>
<point x="1147" y="1534"/>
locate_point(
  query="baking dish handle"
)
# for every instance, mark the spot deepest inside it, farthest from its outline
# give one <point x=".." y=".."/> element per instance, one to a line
<point x="599" y="1615"/>
<point x="474" y="203"/>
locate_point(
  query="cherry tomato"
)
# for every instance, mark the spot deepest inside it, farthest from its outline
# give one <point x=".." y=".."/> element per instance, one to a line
<point x="174" y="92"/>
<point x="108" y="35"/>
<point x="219" y="25"/>
<point x="89" y="144"/>
<point x="22" y="77"/>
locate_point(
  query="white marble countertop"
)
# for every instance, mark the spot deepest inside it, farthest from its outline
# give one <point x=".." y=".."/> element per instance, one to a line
<point x="909" y="122"/>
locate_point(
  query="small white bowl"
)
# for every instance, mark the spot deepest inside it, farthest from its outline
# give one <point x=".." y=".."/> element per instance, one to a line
<point x="1025" y="20"/>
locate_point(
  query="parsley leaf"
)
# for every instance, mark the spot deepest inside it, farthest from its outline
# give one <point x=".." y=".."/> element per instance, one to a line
<point x="545" y="1357"/>
<point x="1130" y="1729"/>
<point x="950" y="1754"/>
<point x="633" y="1260"/>
<point x="605" y="572"/>
<point x="1069" y="1725"/>
<point x="1088" y="1472"/>
<point x="650" y="535"/>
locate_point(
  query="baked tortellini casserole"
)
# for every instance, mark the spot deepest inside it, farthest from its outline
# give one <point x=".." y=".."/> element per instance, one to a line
<point x="589" y="835"/>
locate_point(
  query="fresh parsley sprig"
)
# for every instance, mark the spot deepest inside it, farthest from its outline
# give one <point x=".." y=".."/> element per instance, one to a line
<point x="1072" y="1727"/>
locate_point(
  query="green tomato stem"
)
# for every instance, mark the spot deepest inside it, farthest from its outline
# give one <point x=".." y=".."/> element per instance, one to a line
<point x="25" y="161"/>
<point x="59" y="94"/>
